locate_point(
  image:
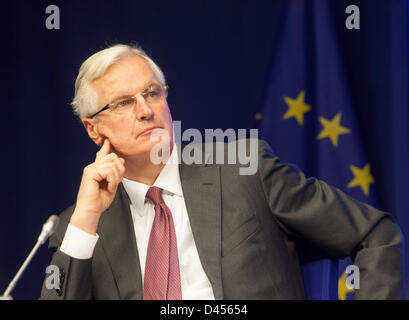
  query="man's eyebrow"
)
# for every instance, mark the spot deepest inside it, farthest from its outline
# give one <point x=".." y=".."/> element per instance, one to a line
<point x="121" y="96"/>
<point x="125" y="95"/>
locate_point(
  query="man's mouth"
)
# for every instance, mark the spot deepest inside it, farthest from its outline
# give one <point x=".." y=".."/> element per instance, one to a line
<point x="149" y="130"/>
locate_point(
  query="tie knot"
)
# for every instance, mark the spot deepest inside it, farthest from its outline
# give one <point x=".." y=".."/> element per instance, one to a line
<point x="155" y="195"/>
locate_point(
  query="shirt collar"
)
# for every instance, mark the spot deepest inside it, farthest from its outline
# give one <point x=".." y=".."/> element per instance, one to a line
<point x="168" y="180"/>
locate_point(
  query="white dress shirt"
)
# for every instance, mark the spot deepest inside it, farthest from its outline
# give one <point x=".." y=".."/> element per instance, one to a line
<point x="195" y="284"/>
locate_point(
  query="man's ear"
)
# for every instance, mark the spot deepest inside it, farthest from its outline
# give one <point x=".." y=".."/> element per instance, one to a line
<point x="92" y="129"/>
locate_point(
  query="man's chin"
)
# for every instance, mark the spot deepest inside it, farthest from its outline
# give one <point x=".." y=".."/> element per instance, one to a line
<point x="150" y="147"/>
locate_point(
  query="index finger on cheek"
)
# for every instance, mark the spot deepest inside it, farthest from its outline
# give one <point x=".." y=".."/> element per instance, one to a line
<point x="105" y="149"/>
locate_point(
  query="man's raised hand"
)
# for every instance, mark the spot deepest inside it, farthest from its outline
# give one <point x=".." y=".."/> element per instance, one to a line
<point x="98" y="187"/>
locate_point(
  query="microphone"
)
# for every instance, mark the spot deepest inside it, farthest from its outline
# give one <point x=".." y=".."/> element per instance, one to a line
<point x="47" y="230"/>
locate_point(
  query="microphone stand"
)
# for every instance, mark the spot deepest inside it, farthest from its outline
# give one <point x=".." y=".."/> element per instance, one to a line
<point x="48" y="229"/>
<point x="6" y="295"/>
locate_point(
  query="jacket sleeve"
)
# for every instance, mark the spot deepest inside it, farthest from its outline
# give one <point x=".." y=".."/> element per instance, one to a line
<point x="68" y="278"/>
<point x="342" y="226"/>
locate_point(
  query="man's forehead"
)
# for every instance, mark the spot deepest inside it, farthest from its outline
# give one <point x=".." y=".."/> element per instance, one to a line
<point x="127" y="76"/>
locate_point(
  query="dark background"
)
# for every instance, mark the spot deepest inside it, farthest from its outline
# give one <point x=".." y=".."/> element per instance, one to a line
<point x="216" y="56"/>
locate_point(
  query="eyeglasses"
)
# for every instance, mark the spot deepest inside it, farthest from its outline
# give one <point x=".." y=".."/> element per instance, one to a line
<point x="154" y="93"/>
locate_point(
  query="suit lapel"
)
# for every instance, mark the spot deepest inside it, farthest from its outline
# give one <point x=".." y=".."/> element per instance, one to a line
<point x="201" y="190"/>
<point x="117" y="237"/>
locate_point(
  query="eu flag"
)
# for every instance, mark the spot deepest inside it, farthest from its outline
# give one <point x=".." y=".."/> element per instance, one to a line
<point x="308" y="118"/>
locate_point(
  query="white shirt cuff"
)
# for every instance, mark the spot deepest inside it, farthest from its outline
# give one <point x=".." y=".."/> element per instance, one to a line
<point x="78" y="243"/>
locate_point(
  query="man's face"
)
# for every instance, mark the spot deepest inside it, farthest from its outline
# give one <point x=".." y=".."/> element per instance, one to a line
<point x="126" y="130"/>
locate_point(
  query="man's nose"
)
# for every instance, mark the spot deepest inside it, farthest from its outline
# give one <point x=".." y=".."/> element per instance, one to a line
<point x="143" y="109"/>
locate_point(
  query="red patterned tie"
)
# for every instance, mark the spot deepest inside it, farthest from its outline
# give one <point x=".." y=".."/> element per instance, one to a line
<point x="162" y="275"/>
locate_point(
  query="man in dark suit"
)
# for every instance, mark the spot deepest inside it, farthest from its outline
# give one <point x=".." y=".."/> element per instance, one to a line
<point x="148" y="229"/>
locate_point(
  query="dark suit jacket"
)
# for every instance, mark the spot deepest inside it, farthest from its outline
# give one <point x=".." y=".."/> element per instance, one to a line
<point x="244" y="227"/>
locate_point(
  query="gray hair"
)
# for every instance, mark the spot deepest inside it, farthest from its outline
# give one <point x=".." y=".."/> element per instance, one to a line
<point x="85" y="100"/>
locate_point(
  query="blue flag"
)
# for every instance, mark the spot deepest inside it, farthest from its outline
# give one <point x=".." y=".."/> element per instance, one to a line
<point x="309" y="119"/>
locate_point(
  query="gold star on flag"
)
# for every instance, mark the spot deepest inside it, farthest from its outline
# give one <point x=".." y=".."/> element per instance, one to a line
<point x="362" y="178"/>
<point x="332" y="129"/>
<point x="296" y="108"/>
<point x="342" y="287"/>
